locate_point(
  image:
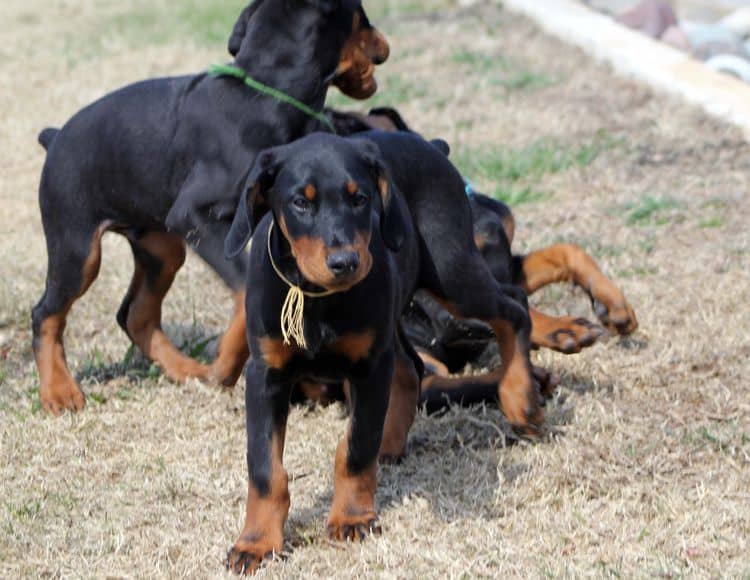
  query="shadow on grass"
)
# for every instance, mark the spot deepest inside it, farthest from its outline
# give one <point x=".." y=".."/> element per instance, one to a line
<point x="460" y="462"/>
<point x="193" y="341"/>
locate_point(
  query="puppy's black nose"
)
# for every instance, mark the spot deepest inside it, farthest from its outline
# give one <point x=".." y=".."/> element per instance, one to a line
<point x="341" y="263"/>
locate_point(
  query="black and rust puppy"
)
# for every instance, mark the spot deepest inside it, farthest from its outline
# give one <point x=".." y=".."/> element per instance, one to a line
<point x="344" y="231"/>
<point x="149" y="160"/>
<point x="494" y="229"/>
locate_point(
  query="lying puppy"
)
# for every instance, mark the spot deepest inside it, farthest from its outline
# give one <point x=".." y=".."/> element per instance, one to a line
<point x="435" y="330"/>
<point x="148" y="160"/>
<point x="344" y="231"/>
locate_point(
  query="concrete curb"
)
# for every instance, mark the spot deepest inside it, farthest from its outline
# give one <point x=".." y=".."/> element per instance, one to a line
<point x="633" y="54"/>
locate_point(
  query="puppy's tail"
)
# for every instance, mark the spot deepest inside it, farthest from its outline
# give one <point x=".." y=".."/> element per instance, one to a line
<point x="47" y="136"/>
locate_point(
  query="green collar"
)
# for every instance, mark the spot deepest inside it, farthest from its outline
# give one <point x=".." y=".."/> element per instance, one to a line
<point x="238" y="73"/>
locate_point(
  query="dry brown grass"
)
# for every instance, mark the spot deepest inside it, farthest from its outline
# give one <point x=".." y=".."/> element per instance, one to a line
<point x="645" y="465"/>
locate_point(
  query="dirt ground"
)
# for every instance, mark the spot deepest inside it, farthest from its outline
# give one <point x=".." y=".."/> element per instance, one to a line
<point x="644" y="465"/>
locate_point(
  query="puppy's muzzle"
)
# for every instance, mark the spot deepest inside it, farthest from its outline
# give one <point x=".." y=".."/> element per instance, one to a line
<point x="343" y="263"/>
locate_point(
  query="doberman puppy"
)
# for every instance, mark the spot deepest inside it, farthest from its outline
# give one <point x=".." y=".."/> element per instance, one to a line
<point x="458" y="342"/>
<point x="350" y="227"/>
<point x="149" y="160"/>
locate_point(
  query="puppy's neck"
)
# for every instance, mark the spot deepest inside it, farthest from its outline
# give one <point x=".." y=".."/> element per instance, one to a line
<point x="286" y="61"/>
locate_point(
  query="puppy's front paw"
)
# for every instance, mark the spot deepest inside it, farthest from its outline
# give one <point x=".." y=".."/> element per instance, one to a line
<point x="342" y="527"/>
<point x="63" y="394"/>
<point x="245" y="557"/>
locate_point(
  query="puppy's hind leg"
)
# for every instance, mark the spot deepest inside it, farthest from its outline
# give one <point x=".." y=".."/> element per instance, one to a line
<point x="233" y="350"/>
<point x="74" y="256"/>
<point x="403" y="401"/>
<point x="568" y="262"/>
<point x="468" y="290"/>
<point x="158" y="256"/>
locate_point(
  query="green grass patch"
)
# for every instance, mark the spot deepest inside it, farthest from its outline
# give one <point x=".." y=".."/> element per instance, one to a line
<point x="192" y="22"/>
<point x="514" y="173"/>
<point x="32" y="394"/>
<point x="97" y="368"/>
<point x="395" y="8"/>
<point x="650" y="210"/>
<point x="125" y="394"/>
<point x="203" y="23"/>
<point x="533" y="161"/>
<point x="195" y="347"/>
<point x="712" y="222"/>
<point x="500" y="72"/>
<point x="515" y="196"/>
<point x="523" y="81"/>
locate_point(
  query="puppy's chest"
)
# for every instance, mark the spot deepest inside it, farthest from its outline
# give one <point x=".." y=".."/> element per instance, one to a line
<point x="329" y="355"/>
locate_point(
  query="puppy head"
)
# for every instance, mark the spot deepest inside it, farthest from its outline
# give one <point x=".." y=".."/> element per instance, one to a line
<point x="325" y="193"/>
<point x="346" y="46"/>
<point x="365" y="48"/>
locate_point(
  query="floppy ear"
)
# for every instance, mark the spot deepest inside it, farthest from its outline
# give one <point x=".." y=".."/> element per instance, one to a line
<point x="394" y="116"/>
<point x="441" y="146"/>
<point x="394" y="216"/>
<point x="393" y="219"/>
<point x="240" y="27"/>
<point x="253" y="205"/>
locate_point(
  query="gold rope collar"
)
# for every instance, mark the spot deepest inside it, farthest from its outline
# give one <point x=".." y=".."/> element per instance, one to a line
<point x="293" y="310"/>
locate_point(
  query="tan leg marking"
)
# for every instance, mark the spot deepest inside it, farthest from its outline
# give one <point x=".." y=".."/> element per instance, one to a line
<point x="265" y="516"/>
<point x="275" y="353"/>
<point x="518" y="397"/>
<point x="144" y="314"/>
<point x="564" y="334"/>
<point x="516" y="389"/>
<point x="352" y="514"/>
<point x="58" y="390"/>
<point x="233" y="349"/>
<point x="402" y="408"/>
<point x="569" y="263"/>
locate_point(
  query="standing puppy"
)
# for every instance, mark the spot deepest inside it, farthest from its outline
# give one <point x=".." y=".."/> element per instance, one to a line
<point x="344" y="231"/>
<point x="148" y="160"/>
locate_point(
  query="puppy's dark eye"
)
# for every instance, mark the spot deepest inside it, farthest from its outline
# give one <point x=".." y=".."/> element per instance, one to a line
<point x="359" y="200"/>
<point x="301" y="204"/>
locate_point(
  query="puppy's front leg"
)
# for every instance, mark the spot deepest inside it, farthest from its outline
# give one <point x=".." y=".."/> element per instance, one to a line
<point x="267" y="408"/>
<point x="353" y="513"/>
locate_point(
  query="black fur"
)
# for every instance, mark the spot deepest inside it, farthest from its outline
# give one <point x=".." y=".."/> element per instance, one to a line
<point x="432" y="217"/>
<point x="168" y="154"/>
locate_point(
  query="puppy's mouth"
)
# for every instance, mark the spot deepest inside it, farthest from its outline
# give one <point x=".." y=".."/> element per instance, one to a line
<point x="348" y="266"/>
<point x="357" y="84"/>
<point x="365" y="49"/>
